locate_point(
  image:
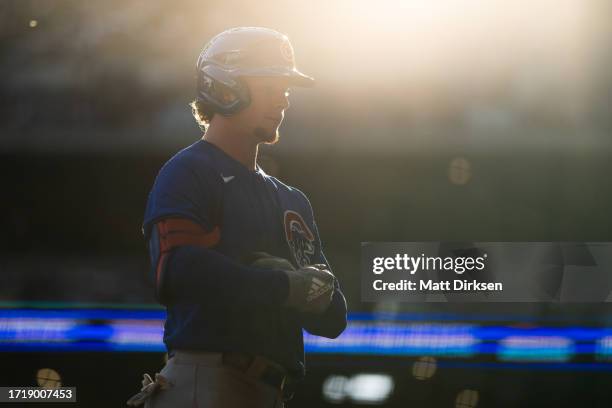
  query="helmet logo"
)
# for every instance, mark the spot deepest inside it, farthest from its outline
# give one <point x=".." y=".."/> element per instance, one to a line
<point x="286" y="51"/>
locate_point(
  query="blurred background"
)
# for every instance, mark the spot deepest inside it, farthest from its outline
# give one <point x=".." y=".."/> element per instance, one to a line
<point x="450" y="120"/>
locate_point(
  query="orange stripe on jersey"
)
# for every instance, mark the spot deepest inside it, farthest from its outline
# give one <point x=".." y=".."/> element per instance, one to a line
<point x="158" y="270"/>
<point x="174" y="232"/>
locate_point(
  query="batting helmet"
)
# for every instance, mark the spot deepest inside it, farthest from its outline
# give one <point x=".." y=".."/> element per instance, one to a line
<point x="243" y="51"/>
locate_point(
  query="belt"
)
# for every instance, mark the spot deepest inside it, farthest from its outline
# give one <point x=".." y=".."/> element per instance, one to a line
<point x="257" y="367"/>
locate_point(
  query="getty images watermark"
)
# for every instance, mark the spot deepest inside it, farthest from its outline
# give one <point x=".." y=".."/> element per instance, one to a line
<point x="411" y="265"/>
<point x="486" y="271"/>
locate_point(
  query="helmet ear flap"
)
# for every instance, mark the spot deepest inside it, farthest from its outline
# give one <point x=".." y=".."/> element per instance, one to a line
<point x="227" y="94"/>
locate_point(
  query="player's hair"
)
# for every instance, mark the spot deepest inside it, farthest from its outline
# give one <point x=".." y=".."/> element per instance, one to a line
<point x="202" y="113"/>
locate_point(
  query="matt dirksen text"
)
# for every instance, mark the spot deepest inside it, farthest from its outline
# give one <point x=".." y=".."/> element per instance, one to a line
<point x="438" y="286"/>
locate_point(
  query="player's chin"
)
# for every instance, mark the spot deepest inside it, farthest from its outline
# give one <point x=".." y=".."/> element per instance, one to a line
<point x="267" y="136"/>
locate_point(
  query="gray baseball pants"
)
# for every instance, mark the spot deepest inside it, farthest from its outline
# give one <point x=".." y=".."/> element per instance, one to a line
<point x="200" y="380"/>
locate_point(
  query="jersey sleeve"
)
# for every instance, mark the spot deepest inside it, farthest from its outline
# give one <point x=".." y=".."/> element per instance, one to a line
<point x="181" y="191"/>
<point x="182" y="208"/>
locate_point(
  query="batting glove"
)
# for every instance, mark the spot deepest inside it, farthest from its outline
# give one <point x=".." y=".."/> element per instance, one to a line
<point x="310" y="288"/>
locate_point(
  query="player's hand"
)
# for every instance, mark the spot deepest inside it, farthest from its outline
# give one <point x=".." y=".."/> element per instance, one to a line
<point x="310" y="289"/>
<point x="266" y="261"/>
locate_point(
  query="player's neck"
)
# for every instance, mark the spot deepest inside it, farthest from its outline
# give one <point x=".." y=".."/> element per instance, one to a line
<point x="234" y="145"/>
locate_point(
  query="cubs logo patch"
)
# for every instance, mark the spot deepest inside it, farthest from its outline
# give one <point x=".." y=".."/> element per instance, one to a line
<point x="299" y="237"/>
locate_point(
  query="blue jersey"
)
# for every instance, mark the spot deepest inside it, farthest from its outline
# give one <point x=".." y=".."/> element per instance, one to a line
<point x="253" y="212"/>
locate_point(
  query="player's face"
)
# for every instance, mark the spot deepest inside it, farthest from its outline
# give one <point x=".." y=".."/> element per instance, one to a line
<point x="269" y="99"/>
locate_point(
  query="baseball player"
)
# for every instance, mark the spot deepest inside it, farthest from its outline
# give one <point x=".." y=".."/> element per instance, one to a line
<point x="236" y="253"/>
